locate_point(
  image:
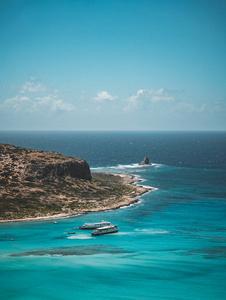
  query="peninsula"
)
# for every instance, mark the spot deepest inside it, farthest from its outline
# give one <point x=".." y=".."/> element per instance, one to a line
<point x="42" y="185"/>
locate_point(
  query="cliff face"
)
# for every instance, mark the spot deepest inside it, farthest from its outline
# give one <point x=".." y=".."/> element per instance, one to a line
<point x="74" y="169"/>
<point x="25" y="164"/>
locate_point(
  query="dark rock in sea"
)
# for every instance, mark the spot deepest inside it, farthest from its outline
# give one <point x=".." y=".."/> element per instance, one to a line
<point x="145" y="161"/>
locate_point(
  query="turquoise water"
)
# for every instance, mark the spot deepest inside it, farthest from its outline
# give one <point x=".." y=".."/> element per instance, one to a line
<point x="170" y="245"/>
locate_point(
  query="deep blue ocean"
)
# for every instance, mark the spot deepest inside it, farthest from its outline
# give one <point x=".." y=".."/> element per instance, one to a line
<point x="170" y="245"/>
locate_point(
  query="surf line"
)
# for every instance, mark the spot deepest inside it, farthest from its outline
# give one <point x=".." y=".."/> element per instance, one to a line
<point x="133" y="179"/>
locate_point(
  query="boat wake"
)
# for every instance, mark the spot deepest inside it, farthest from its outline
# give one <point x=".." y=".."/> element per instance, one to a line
<point x="151" y="231"/>
<point x="144" y="231"/>
<point x="80" y="237"/>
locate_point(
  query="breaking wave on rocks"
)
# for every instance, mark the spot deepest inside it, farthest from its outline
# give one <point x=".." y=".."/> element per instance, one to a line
<point x="121" y="167"/>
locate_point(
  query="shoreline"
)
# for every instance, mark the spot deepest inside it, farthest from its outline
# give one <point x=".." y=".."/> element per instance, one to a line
<point x="127" y="201"/>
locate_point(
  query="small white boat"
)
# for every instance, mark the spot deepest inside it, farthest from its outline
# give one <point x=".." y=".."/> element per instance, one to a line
<point x="105" y="230"/>
<point x="94" y="225"/>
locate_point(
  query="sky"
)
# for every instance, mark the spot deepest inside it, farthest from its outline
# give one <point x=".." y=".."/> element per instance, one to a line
<point x="112" y="65"/>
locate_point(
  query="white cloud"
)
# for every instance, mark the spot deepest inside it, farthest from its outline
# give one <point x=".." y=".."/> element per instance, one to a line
<point x="16" y="103"/>
<point x="53" y="103"/>
<point x="132" y="102"/>
<point x="191" y="107"/>
<point x="41" y="104"/>
<point x="150" y="95"/>
<point x="154" y="95"/>
<point x="56" y="91"/>
<point x="36" y="102"/>
<point x="104" y="95"/>
<point x="218" y="106"/>
<point x="31" y="86"/>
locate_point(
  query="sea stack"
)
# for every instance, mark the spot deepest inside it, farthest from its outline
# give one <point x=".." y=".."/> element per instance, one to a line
<point x="145" y="161"/>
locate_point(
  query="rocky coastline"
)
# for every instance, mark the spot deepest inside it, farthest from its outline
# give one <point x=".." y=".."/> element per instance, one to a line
<point x="39" y="185"/>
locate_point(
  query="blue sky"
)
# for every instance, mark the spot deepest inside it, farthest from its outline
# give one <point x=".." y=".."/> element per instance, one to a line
<point x="113" y="64"/>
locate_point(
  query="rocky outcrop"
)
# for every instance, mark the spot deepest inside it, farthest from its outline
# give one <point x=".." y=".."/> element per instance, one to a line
<point x="145" y="161"/>
<point x="74" y="169"/>
<point x="38" y="184"/>
<point x="26" y="164"/>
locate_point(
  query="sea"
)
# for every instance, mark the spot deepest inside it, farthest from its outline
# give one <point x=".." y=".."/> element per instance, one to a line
<point x="170" y="245"/>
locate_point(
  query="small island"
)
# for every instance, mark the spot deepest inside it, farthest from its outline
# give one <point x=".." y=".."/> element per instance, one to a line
<point x="146" y="161"/>
<point x="42" y="185"/>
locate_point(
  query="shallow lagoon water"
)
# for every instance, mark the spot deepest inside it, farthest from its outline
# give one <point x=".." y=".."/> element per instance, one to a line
<point x="171" y="245"/>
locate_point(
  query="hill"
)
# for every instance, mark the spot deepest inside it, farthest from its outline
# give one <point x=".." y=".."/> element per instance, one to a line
<point x="40" y="184"/>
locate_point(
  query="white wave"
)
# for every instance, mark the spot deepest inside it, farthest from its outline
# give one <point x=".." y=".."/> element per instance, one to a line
<point x="130" y="166"/>
<point x="123" y="169"/>
<point x="97" y="168"/>
<point x="124" y="233"/>
<point x="157" y="165"/>
<point x="80" y="237"/>
<point x="138" y="177"/>
<point x="136" y="165"/>
<point x="131" y="204"/>
<point x="149" y="187"/>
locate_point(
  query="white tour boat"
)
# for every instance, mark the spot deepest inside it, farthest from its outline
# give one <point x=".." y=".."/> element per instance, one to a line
<point x="105" y="230"/>
<point x="94" y="225"/>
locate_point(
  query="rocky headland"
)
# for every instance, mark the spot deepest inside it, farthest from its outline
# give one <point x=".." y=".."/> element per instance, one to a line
<point x="39" y="184"/>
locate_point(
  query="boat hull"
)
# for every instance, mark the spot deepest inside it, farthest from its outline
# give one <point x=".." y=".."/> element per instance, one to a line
<point x="102" y="233"/>
<point x="94" y="226"/>
<point x="87" y="228"/>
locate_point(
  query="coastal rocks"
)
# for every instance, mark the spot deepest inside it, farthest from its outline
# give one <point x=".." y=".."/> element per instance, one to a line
<point x="145" y="161"/>
<point x="39" y="184"/>
<point x="76" y="168"/>
<point x="17" y="163"/>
